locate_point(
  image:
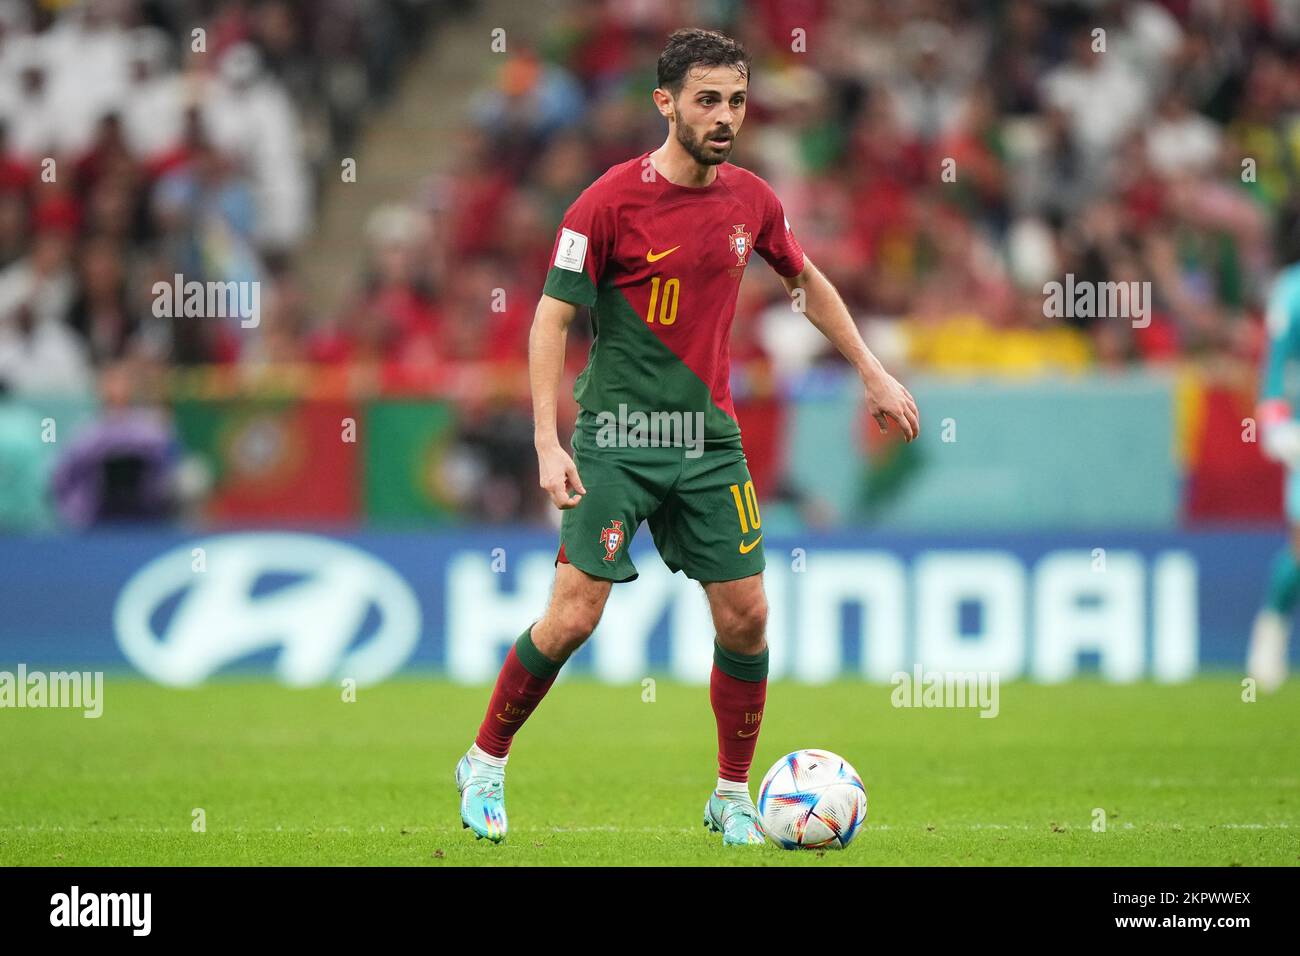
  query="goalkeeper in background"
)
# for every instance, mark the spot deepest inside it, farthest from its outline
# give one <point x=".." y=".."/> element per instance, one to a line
<point x="1266" y="661"/>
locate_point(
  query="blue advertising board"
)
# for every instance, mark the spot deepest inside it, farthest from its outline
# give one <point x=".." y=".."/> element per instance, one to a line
<point x="306" y="608"/>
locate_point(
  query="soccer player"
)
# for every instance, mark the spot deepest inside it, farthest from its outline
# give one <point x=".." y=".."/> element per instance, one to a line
<point x="1266" y="660"/>
<point x="656" y="249"/>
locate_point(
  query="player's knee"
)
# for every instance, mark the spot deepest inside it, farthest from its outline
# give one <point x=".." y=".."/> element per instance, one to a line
<point x="743" y="626"/>
<point x="574" y="623"/>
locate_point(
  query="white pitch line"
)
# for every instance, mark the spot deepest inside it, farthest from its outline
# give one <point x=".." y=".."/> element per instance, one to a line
<point x="409" y="830"/>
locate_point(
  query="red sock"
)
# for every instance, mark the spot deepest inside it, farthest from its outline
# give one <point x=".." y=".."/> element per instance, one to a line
<point x="738" y="709"/>
<point x="516" y="696"/>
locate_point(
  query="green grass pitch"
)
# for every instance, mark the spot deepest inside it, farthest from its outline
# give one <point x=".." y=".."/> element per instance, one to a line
<point x="1186" y="775"/>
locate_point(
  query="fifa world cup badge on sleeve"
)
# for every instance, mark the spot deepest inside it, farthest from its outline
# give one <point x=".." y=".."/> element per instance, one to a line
<point x="571" y="252"/>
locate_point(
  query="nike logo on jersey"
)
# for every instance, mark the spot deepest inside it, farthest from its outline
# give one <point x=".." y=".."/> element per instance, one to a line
<point x="746" y="548"/>
<point x="653" y="256"/>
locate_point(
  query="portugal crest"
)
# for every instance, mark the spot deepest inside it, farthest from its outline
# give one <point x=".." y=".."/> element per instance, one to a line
<point x="612" y="538"/>
<point x="741" y="243"/>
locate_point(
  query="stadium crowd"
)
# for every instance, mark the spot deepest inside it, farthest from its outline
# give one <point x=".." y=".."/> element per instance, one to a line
<point x="140" y="140"/>
<point x="941" y="160"/>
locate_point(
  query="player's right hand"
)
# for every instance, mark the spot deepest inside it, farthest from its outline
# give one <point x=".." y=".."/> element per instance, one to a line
<point x="559" y="477"/>
<point x="888" y="399"/>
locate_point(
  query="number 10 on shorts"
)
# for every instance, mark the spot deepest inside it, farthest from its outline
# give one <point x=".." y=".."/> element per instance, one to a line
<point x="748" y="504"/>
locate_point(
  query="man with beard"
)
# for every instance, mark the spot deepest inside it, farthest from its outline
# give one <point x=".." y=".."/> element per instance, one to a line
<point x="656" y="249"/>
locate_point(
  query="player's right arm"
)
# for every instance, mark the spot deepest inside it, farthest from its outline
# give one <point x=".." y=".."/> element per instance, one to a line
<point x="577" y="261"/>
<point x="546" y="343"/>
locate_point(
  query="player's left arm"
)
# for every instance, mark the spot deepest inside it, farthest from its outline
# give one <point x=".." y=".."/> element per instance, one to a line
<point x="823" y="307"/>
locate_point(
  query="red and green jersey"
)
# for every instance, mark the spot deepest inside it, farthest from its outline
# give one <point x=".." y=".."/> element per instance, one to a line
<point x="660" y="267"/>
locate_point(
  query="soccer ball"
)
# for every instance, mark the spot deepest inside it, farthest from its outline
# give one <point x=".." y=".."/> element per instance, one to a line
<point x="812" y="799"/>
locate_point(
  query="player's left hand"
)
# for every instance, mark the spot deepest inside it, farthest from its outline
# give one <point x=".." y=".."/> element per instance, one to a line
<point x="886" y="399"/>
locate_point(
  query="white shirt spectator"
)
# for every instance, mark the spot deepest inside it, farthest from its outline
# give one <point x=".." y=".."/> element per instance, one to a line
<point x="1149" y="40"/>
<point x="154" y="111"/>
<point x="28" y="112"/>
<point x="1187" y="143"/>
<point x="48" y="299"/>
<point x="87" y="65"/>
<point x="1103" y="100"/>
<point x="251" y="116"/>
<point x="48" y="360"/>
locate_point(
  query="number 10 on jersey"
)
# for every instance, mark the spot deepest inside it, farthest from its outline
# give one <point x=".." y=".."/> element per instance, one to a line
<point x="667" y="302"/>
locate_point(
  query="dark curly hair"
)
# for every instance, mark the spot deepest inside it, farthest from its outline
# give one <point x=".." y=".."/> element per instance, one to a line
<point x="692" y="47"/>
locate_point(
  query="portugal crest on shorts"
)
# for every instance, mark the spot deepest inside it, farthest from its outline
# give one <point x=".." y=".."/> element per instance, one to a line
<point x="741" y="243"/>
<point x="612" y="538"/>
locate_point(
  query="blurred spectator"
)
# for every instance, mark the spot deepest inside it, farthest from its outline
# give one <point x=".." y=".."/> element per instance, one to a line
<point x="155" y="100"/>
<point x="1102" y="95"/>
<point x="101" y="313"/>
<point x="1180" y="140"/>
<point x="123" y="467"/>
<point x="252" y="120"/>
<point x="39" y="353"/>
<point x="41" y="357"/>
<point x="23" y="468"/>
<point x="531" y="101"/>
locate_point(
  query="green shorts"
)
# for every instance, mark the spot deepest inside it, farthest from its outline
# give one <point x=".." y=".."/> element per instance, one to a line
<point x="700" y="505"/>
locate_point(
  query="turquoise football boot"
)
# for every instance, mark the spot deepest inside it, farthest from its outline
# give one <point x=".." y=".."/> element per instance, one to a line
<point x="735" y="817"/>
<point x="482" y="788"/>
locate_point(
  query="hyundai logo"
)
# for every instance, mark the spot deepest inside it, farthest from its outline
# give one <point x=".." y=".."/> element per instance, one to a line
<point x="181" y="618"/>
